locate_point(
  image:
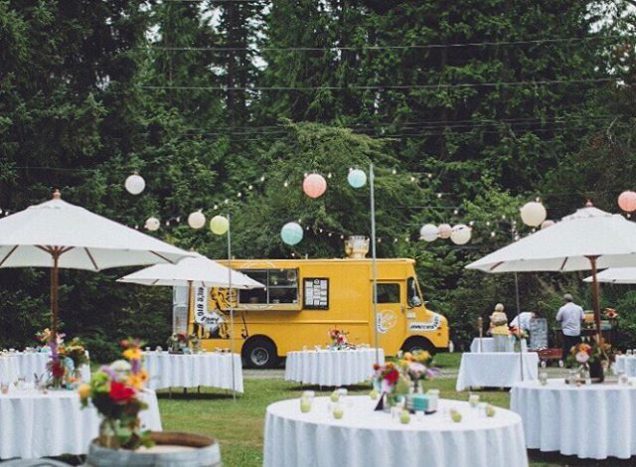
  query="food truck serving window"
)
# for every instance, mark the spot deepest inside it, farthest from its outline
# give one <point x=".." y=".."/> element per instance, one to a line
<point x="282" y="287"/>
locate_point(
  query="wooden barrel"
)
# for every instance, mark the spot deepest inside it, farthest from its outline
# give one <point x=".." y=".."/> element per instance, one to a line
<point x="171" y="450"/>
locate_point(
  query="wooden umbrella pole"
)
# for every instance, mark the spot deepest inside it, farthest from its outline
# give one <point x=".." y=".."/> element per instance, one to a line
<point x="595" y="298"/>
<point x="54" y="293"/>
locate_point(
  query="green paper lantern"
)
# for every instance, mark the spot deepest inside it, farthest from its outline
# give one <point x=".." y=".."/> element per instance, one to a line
<point x="219" y="225"/>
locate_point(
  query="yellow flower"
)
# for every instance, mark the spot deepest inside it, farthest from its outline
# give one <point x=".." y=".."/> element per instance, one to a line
<point x="133" y="353"/>
<point x="422" y="356"/>
<point x="84" y="391"/>
<point x="137" y="380"/>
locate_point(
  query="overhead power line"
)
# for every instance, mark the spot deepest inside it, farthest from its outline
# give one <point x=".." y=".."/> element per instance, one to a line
<point x="380" y="87"/>
<point x="549" y="40"/>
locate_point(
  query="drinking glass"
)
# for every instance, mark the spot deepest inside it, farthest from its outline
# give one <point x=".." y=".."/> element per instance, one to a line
<point x="628" y="352"/>
<point x="473" y="400"/>
<point x="4" y="388"/>
<point x="543" y="378"/>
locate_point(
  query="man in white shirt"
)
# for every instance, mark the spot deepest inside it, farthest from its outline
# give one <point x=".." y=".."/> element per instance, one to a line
<point x="570" y="316"/>
<point x="522" y="321"/>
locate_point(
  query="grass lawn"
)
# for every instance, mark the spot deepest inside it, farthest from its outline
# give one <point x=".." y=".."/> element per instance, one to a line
<point x="238" y="426"/>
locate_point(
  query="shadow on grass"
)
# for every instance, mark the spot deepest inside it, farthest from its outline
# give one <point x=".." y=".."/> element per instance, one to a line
<point x="555" y="458"/>
<point x="179" y="394"/>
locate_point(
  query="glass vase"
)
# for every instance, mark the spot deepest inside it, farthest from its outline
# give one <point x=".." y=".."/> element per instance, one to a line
<point x="108" y="433"/>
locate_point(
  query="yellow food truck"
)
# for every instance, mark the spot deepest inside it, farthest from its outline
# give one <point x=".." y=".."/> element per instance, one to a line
<point x="304" y="299"/>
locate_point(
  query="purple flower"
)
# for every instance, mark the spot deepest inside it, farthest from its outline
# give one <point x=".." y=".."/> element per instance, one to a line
<point x="106" y="369"/>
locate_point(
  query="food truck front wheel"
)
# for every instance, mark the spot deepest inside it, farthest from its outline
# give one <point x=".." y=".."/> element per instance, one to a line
<point x="414" y="343"/>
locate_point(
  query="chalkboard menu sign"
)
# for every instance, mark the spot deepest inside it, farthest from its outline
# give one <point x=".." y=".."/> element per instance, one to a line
<point x="538" y="333"/>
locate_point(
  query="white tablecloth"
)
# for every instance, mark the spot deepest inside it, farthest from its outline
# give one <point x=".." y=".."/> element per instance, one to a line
<point x="366" y="438"/>
<point x="488" y="345"/>
<point x="26" y="364"/>
<point x="626" y="364"/>
<point x="35" y="425"/>
<point x="595" y="421"/>
<point x="495" y="369"/>
<point x="331" y="367"/>
<point x="8" y="369"/>
<point x="191" y="370"/>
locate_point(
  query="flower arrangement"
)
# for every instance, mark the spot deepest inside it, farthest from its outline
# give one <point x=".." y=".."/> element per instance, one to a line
<point x="416" y="366"/>
<point x="518" y="333"/>
<point x="501" y="330"/>
<point x="66" y="359"/>
<point x="610" y="313"/>
<point x="591" y="356"/>
<point x="338" y="339"/>
<point x="114" y="390"/>
<point x="178" y="343"/>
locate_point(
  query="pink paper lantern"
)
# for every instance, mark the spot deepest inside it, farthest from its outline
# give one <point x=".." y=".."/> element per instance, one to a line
<point x="314" y="185"/>
<point x="445" y="231"/>
<point x="547" y="223"/>
<point x="627" y="201"/>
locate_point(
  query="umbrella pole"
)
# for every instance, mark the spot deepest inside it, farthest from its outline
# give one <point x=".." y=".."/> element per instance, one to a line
<point x="189" y="313"/>
<point x="519" y="324"/>
<point x="595" y="298"/>
<point x="55" y="271"/>
<point x="229" y="296"/>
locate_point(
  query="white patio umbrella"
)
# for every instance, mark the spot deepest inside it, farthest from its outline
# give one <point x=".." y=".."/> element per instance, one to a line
<point x="197" y="270"/>
<point x="57" y="234"/>
<point x="589" y="239"/>
<point x="615" y="276"/>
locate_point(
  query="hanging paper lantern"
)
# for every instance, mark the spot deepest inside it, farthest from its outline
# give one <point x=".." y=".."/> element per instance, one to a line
<point x="314" y="185"/>
<point x="429" y="232"/>
<point x="627" y="201"/>
<point x="152" y="224"/>
<point x="196" y="220"/>
<point x="547" y="223"/>
<point x="357" y="178"/>
<point x="219" y="225"/>
<point x="533" y="213"/>
<point x="135" y="184"/>
<point x="291" y="233"/>
<point x="461" y="234"/>
<point x="445" y="231"/>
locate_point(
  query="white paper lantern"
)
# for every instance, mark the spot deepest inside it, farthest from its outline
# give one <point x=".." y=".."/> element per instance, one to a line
<point x="461" y="234"/>
<point x="135" y="184"/>
<point x="152" y="224"/>
<point x="429" y="232"/>
<point x="196" y="220"/>
<point x="445" y="231"/>
<point x="533" y="213"/>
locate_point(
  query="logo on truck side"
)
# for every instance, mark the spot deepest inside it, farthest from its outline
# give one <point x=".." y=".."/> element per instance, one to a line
<point x="386" y="320"/>
<point x="430" y="326"/>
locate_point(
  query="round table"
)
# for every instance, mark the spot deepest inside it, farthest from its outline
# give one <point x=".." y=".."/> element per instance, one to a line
<point x="626" y="364"/>
<point x="495" y="369"/>
<point x="27" y="364"/>
<point x="331" y="367"/>
<point x="36" y="425"/>
<point x="487" y="344"/>
<point x="368" y="438"/>
<point x="9" y="371"/>
<point x="192" y="370"/>
<point x="591" y="421"/>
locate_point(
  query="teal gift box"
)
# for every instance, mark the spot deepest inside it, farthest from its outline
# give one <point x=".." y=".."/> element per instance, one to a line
<point x="417" y="403"/>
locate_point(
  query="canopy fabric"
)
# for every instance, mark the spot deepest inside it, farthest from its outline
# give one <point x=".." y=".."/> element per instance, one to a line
<point x="615" y="276"/>
<point x="197" y="271"/>
<point x="85" y="240"/>
<point x="568" y="245"/>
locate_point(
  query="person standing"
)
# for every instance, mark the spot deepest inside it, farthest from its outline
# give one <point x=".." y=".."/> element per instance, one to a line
<point x="570" y="316"/>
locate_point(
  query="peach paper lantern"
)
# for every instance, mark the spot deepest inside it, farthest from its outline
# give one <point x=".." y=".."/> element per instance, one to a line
<point x="445" y="231"/>
<point x="314" y="185"/>
<point x="627" y="201"/>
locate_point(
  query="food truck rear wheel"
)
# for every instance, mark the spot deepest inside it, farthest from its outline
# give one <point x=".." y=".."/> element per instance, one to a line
<point x="260" y="352"/>
<point x="418" y="343"/>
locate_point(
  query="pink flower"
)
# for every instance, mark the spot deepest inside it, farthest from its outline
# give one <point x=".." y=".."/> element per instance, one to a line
<point x="582" y="357"/>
